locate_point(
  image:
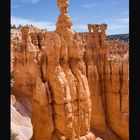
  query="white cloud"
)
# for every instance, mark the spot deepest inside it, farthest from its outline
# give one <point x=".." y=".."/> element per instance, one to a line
<point x="17" y="6"/>
<point x="24" y="3"/>
<point x="125" y="13"/>
<point x="39" y="24"/>
<point x="89" y="5"/>
<point x="44" y="24"/>
<point x="115" y="26"/>
<point x="118" y="25"/>
<point x="33" y="1"/>
<point x="80" y="27"/>
<point x="98" y="4"/>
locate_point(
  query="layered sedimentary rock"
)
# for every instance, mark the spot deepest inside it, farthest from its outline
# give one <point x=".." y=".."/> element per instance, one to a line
<point x="107" y="73"/>
<point x="61" y="105"/>
<point x="68" y="102"/>
<point x="73" y="85"/>
<point x="20" y="121"/>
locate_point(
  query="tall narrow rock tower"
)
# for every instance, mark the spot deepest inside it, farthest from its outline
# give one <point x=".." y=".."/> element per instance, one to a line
<point x="64" y="20"/>
<point x="68" y="113"/>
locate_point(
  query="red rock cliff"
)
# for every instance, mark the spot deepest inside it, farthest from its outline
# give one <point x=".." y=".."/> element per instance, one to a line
<point x="74" y="85"/>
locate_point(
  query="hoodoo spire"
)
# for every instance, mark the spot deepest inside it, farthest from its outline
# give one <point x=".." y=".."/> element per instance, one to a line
<point x="64" y="20"/>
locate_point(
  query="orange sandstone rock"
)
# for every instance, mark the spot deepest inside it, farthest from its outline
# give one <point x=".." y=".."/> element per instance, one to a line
<point x="74" y="85"/>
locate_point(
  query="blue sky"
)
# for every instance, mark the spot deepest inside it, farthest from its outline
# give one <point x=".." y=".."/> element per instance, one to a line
<point x="44" y="14"/>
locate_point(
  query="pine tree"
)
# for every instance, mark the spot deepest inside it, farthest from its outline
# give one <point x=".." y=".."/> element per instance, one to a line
<point x="20" y="26"/>
<point x="13" y="26"/>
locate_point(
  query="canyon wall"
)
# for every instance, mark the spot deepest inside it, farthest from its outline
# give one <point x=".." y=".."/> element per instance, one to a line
<point x="73" y="85"/>
<point x="38" y="70"/>
<point x="107" y="72"/>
